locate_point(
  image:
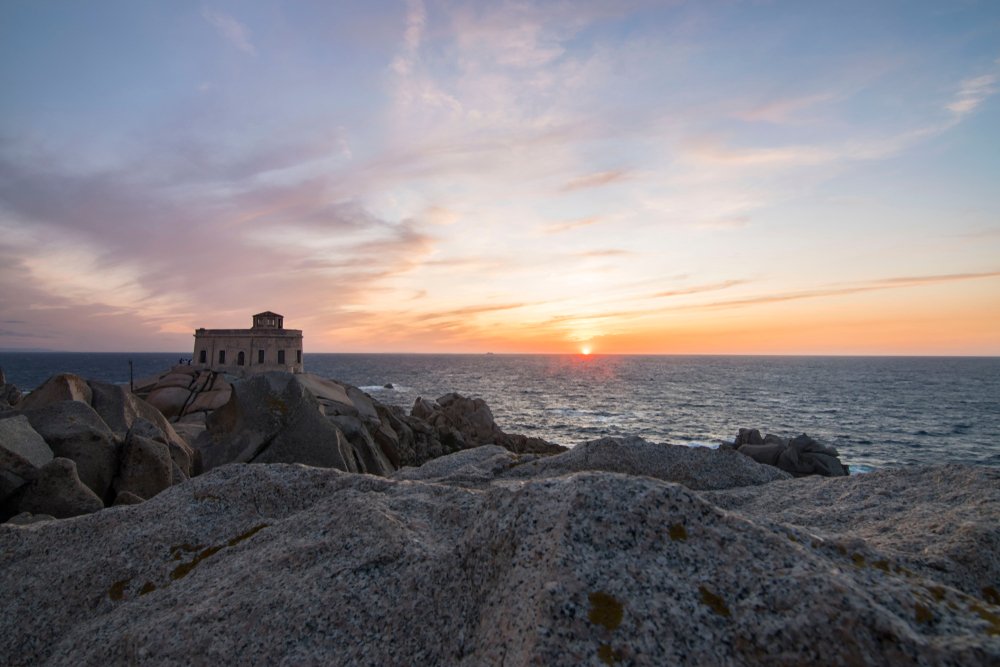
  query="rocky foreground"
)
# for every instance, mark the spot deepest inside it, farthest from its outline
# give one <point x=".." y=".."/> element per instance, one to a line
<point x="618" y="551"/>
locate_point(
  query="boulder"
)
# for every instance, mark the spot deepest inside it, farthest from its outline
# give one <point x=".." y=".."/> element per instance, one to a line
<point x="694" y="467"/>
<point x="27" y="518"/>
<point x="62" y="387"/>
<point x="120" y="409"/>
<point x="589" y="568"/>
<point x="22" y="452"/>
<point x="59" y="492"/>
<point x="146" y="467"/>
<point x="74" y="431"/>
<point x="209" y="400"/>
<point x="273" y="418"/>
<point x="170" y="401"/>
<point x="127" y="498"/>
<point x="800" y="456"/>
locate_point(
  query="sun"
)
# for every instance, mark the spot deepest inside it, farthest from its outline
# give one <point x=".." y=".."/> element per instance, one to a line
<point x="585" y="350"/>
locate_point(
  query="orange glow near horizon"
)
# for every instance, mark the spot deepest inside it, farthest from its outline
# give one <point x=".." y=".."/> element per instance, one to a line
<point x="585" y="350"/>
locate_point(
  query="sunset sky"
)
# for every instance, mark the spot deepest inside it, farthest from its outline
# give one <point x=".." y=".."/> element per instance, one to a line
<point x="633" y="177"/>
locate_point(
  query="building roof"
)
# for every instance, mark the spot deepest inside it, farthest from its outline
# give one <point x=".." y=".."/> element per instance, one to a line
<point x="268" y="313"/>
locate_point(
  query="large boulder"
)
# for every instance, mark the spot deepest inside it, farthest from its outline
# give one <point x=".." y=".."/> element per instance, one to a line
<point x="121" y="409"/>
<point x="799" y="456"/>
<point x="588" y="568"/>
<point x="59" y="492"/>
<point x="62" y="387"/>
<point x="22" y="452"/>
<point x="274" y="418"/>
<point x="9" y="393"/>
<point x="185" y="392"/>
<point x="74" y="431"/>
<point x="462" y="422"/>
<point x="146" y="467"/>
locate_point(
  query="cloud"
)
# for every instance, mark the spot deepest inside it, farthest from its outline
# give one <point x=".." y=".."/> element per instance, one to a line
<point x="559" y="227"/>
<point x="610" y="252"/>
<point x="870" y="286"/>
<point x="232" y="30"/>
<point x="971" y="93"/>
<point x="783" y="110"/>
<point x="416" y="21"/>
<point x="596" y="180"/>
<point x="698" y="289"/>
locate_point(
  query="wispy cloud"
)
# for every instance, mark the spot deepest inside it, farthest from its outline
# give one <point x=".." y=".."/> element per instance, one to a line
<point x="597" y="180"/>
<point x="232" y="30"/>
<point x="971" y="93"/>
<point x="559" y="227"/>
<point x="698" y="289"/>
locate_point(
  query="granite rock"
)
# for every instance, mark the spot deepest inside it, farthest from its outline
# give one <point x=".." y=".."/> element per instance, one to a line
<point x="694" y="467"/>
<point x="62" y="387"/>
<point x="75" y="431"/>
<point x="59" y="492"/>
<point x="146" y="467"/>
<point x="22" y="453"/>
<point x="286" y="565"/>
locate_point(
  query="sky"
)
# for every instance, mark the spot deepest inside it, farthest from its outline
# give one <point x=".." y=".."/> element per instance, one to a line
<point x="545" y="177"/>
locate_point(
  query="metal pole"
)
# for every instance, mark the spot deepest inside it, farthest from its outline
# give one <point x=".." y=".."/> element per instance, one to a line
<point x="131" y="384"/>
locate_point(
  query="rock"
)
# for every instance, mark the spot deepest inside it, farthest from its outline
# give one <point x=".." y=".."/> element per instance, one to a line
<point x="27" y="518"/>
<point x="170" y="401"/>
<point x="119" y="409"/>
<point x="388" y="385"/>
<point x="938" y="521"/>
<point x="58" y="491"/>
<point x="146" y="467"/>
<point x="273" y="418"/>
<point x="800" y="456"/>
<point x="74" y="431"/>
<point x="474" y="467"/>
<point x="462" y="422"/>
<point x="62" y="387"/>
<point x="694" y="467"/>
<point x="589" y="568"/>
<point x="373" y="459"/>
<point x="22" y="453"/>
<point x="127" y="498"/>
<point x="210" y="400"/>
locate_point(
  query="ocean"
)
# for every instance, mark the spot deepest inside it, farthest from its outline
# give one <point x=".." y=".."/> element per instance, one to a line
<point x="878" y="411"/>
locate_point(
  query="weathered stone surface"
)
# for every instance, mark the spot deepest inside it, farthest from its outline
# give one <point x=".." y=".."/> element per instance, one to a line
<point x="27" y="518"/>
<point x="120" y="410"/>
<point x="170" y="401"/>
<point x="800" y="456"/>
<point x="589" y="568"/>
<point x="210" y="400"/>
<point x="273" y="418"/>
<point x="127" y="498"/>
<point x="22" y="453"/>
<point x="694" y="467"/>
<point x="62" y="387"/>
<point x="145" y="468"/>
<point x="940" y="521"/>
<point x="58" y="491"/>
<point x="74" y="431"/>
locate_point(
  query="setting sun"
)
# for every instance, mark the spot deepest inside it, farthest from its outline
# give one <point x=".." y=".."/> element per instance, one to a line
<point x="585" y="350"/>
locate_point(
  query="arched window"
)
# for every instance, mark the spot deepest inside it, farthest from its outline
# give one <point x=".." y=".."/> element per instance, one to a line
<point x="202" y="357"/>
<point x="241" y="358"/>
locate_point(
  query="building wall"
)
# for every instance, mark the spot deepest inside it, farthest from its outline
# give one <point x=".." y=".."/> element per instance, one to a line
<point x="250" y="342"/>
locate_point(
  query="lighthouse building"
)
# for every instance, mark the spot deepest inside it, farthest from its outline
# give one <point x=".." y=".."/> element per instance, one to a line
<point x="267" y="346"/>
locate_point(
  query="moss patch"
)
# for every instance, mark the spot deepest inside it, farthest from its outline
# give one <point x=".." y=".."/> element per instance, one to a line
<point x="184" y="569"/>
<point x="714" y="602"/>
<point x="923" y="613"/>
<point x="678" y="532"/>
<point x="605" y="610"/>
<point x="859" y="560"/>
<point x="608" y="655"/>
<point x="881" y="565"/>
<point x="991" y="595"/>
<point x="117" y="590"/>
<point x="993" y="619"/>
<point x="147" y="587"/>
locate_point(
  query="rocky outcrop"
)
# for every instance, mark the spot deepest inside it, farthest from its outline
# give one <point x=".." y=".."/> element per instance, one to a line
<point x="799" y="456"/>
<point x="184" y="394"/>
<point x="590" y="567"/>
<point x="463" y="422"/>
<point x="9" y="393"/>
<point x="694" y="467"/>
<point x="86" y="423"/>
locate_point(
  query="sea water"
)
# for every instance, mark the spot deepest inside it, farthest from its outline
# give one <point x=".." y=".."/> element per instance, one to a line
<point x="878" y="411"/>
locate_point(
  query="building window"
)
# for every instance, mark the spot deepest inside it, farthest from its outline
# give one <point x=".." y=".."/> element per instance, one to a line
<point x="222" y="356"/>
<point x="260" y="356"/>
<point x="298" y="356"/>
<point x="241" y="359"/>
<point x="281" y="356"/>
<point x="202" y="357"/>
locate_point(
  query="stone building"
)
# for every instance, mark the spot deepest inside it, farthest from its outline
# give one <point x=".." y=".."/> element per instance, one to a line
<point x="267" y="346"/>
